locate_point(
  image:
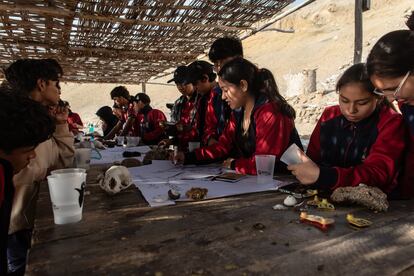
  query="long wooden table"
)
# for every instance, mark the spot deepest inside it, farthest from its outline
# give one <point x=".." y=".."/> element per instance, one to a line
<point x="120" y="235"/>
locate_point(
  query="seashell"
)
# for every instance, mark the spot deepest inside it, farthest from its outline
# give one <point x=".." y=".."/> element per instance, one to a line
<point x="131" y="162"/>
<point x="280" y="207"/>
<point x="173" y="194"/>
<point x="290" y="201"/>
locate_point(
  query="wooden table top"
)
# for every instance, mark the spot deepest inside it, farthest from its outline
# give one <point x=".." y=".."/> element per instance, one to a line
<point x="121" y="235"/>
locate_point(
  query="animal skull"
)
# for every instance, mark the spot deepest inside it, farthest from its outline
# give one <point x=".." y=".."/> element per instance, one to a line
<point x="116" y="179"/>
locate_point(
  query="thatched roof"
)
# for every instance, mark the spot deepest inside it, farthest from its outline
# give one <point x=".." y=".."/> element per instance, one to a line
<point x="125" y="41"/>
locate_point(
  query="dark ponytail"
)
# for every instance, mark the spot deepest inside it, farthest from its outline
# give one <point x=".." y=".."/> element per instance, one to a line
<point x="260" y="82"/>
<point x="358" y="74"/>
<point x="266" y="84"/>
<point x="393" y="55"/>
<point x="410" y="21"/>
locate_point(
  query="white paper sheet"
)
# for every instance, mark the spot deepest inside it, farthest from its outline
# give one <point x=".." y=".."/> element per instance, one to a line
<point x="156" y="191"/>
<point x="163" y="170"/>
<point x="112" y="155"/>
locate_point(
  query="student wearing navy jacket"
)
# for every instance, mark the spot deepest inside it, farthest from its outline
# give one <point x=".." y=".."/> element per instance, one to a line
<point x="361" y="140"/>
<point x="17" y="148"/>
<point x="262" y="122"/>
<point x="147" y="121"/>
<point x="391" y="68"/>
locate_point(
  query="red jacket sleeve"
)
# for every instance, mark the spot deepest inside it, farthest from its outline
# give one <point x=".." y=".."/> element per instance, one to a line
<point x="272" y="137"/>
<point x="273" y="132"/>
<point x="190" y="132"/>
<point x="210" y="125"/>
<point x="77" y="119"/>
<point x="155" y="116"/>
<point x="314" y="147"/>
<point x="222" y="148"/>
<point x="381" y="166"/>
<point x="136" y="126"/>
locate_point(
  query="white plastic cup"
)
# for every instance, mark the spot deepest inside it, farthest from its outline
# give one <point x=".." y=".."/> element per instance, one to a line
<point x="265" y="165"/>
<point x="120" y="140"/>
<point x="83" y="158"/>
<point x="69" y="170"/>
<point x="132" y="141"/>
<point x="193" y="145"/>
<point x="67" y="194"/>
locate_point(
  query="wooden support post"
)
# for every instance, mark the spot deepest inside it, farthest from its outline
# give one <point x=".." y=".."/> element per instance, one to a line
<point x="309" y="81"/>
<point x="144" y="88"/>
<point x="358" y="32"/>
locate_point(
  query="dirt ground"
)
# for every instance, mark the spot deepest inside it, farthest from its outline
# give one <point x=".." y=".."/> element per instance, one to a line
<point x="323" y="40"/>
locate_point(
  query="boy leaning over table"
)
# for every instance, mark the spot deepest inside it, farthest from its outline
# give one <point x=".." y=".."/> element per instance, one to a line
<point x="17" y="148"/>
<point x="36" y="79"/>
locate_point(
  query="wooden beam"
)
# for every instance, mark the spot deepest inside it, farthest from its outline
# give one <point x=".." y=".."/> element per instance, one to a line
<point x="108" y="52"/>
<point x="59" y="12"/>
<point x="358" y="32"/>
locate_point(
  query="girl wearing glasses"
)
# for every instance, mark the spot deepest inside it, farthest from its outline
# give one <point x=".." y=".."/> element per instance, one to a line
<point x="391" y="66"/>
<point x="358" y="141"/>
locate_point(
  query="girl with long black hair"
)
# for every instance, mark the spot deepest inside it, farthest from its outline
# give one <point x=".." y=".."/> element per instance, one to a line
<point x="262" y="122"/>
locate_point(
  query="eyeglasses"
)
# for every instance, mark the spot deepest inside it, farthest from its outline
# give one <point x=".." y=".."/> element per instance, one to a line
<point x="396" y="91"/>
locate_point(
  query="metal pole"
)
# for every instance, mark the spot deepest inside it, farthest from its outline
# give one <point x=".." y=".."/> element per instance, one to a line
<point x="358" y="32"/>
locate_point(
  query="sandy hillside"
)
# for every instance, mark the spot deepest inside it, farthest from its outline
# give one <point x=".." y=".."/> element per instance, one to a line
<point x="322" y="39"/>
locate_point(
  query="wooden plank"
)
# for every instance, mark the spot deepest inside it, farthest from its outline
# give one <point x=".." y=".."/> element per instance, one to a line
<point x="59" y="12"/>
<point x="120" y="235"/>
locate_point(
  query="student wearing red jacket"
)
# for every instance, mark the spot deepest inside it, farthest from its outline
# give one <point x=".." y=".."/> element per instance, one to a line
<point x="262" y="122"/>
<point x="214" y="112"/>
<point x="17" y="148"/>
<point x="359" y="141"/>
<point x="391" y="68"/>
<point x="74" y="121"/>
<point x="120" y="96"/>
<point x="223" y="50"/>
<point x="147" y="121"/>
<point x="185" y="114"/>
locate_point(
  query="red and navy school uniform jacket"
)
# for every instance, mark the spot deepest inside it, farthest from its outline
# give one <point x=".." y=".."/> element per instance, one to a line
<point x="128" y="112"/>
<point x="186" y="112"/>
<point x="217" y="114"/>
<point x="147" y="125"/>
<point x="270" y="132"/>
<point x="369" y="151"/>
<point x="6" y="200"/>
<point x="74" y="118"/>
<point x="407" y="177"/>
